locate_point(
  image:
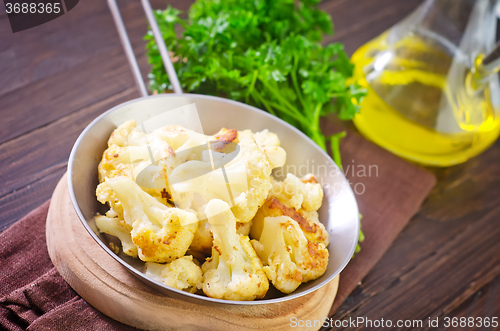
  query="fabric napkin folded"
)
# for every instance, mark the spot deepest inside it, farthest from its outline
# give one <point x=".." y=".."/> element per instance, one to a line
<point x="34" y="296"/>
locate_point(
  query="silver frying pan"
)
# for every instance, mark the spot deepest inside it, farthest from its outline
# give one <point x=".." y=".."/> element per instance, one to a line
<point x="339" y="212"/>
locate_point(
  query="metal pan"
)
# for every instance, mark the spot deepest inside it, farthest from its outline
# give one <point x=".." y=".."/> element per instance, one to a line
<point x="339" y="212"/>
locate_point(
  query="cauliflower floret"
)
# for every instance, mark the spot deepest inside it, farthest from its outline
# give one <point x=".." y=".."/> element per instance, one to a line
<point x="243" y="228"/>
<point x="119" y="136"/>
<point x="105" y="195"/>
<point x="202" y="241"/>
<point x="289" y="258"/>
<point x="134" y="154"/>
<point x="266" y="138"/>
<point x="182" y="274"/>
<point x="247" y="172"/>
<point x="225" y="140"/>
<point x="297" y="193"/>
<point x="258" y="175"/>
<point x="162" y="234"/>
<point x="115" y="162"/>
<point x="174" y="135"/>
<point x="270" y="145"/>
<point x="311" y="216"/>
<point x="234" y="272"/>
<point x="307" y="220"/>
<point x="116" y="227"/>
<point x="127" y="134"/>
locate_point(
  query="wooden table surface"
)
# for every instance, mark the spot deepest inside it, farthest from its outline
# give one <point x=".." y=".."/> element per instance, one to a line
<point x="56" y="78"/>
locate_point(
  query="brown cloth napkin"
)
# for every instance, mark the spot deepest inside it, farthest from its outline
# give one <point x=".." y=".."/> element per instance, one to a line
<point x="34" y="296"/>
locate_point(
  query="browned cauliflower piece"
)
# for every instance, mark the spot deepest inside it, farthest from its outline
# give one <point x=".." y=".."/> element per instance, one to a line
<point x="308" y="221"/>
<point x="120" y="135"/>
<point x="269" y="143"/>
<point x="289" y="258"/>
<point x="297" y="193"/>
<point x="115" y="162"/>
<point x="182" y="274"/>
<point x="234" y="272"/>
<point x="161" y="234"/>
<point x="258" y="170"/>
<point x="117" y="227"/>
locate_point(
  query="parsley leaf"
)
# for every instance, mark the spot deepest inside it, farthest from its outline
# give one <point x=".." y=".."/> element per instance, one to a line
<point x="266" y="53"/>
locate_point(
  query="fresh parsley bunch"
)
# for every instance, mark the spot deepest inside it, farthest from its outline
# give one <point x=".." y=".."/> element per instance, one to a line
<point x="266" y="53"/>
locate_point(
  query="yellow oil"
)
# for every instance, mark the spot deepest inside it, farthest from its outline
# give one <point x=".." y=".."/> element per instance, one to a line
<point x="414" y="82"/>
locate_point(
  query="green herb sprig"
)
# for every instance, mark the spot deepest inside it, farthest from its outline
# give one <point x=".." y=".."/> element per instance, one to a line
<point x="266" y="53"/>
<point x="335" y="147"/>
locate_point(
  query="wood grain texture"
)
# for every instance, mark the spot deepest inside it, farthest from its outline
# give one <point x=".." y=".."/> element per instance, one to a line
<point x="32" y="195"/>
<point x="26" y="158"/>
<point x="64" y="67"/>
<point x="438" y="264"/>
<point x="484" y="303"/>
<point x="358" y="22"/>
<point x="113" y="290"/>
<point x="33" y="92"/>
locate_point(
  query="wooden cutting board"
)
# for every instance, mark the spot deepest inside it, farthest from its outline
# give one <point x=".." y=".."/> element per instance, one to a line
<point x="113" y="290"/>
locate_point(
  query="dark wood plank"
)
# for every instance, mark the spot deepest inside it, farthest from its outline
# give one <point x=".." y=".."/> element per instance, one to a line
<point x="71" y="39"/>
<point x="20" y="202"/>
<point x="484" y="303"/>
<point x="437" y="282"/>
<point x="463" y="189"/>
<point x="51" y="48"/>
<point x="38" y="153"/>
<point x="358" y="22"/>
<point x="75" y="78"/>
<point x="35" y="105"/>
<point x="449" y="251"/>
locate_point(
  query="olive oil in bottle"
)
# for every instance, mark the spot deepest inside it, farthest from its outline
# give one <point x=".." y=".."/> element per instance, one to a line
<point x="420" y="105"/>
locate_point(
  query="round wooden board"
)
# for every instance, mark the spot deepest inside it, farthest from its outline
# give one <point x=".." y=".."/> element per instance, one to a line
<point x="113" y="290"/>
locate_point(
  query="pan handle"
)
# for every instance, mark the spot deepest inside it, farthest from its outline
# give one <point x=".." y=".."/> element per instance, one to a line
<point x="129" y="52"/>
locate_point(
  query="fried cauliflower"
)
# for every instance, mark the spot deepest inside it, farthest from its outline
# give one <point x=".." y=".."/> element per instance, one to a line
<point x="234" y="271"/>
<point x="243" y="181"/>
<point x="297" y="193"/>
<point x="131" y="152"/>
<point x="120" y="136"/>
<point x="289" y="258"/>
<point x="182" y="274"/>
<point x="202" y="241"/>
<point x="118" y="228"/>
<point x="161" y="234"/>
<point x="258" y="170"/>
<point x="307" y="220"/>
<point x="115" y="162"/>
<point x="177" y="196"/>
<point x="269" y="143"/>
